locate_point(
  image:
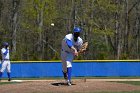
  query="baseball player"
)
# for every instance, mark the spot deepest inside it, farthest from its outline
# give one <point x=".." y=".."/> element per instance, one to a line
<point x="70" y="46"/>
<point x="5" y="61"/>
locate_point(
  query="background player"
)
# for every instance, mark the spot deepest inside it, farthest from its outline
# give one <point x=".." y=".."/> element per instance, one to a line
<point x="70" y="46"/>
<point x="5" y="61"/>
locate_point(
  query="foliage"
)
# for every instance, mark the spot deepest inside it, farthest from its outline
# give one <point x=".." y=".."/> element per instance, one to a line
<point x="111" y="28"/>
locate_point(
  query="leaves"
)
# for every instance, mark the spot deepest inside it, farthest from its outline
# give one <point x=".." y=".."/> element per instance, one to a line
<point x="104" y="24"/>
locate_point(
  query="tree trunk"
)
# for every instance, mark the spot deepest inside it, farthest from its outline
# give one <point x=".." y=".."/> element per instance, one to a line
<point x="15" y="23"/>
<point x="1" y="6"/>
<point x="126" y="34"/>
<point x="117" y="34"/>
<point x="39" y="21"/>
<point x="137" y="33"/>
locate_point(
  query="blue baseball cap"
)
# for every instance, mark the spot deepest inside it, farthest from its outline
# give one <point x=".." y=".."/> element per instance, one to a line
<point x="5" y="44"/>
<point x="77" y="29"/>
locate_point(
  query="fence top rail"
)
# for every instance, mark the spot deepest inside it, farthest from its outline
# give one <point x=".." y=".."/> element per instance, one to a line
<point x="79" y="61"/>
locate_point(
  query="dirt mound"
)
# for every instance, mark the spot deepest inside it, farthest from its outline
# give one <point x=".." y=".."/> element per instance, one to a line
<point x="57" y="86"/>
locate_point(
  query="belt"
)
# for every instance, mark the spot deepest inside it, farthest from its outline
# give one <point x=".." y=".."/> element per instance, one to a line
<point x="6" y="59"/>
<point x="66" y="51"/>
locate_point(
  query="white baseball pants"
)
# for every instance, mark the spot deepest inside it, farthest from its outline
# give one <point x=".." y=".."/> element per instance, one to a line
<point x="6" y="65"/>
<point x="67" y="59"/>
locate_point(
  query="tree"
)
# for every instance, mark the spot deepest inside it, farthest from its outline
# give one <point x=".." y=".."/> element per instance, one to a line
<point x="14" y="23"/>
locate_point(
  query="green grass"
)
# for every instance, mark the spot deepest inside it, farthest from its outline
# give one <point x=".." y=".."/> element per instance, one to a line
<point x="92" y="92"/>
<point x="130" y="82"/>
<point x="103" y="77"/>
<point x="4" y="83"/>
<point x="118" y="92"/>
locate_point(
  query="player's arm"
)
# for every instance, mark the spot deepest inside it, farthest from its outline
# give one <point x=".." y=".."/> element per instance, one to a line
<point x="70" y="45"/>
<point x="80" y="44"/>
<point x="5" y="51"/>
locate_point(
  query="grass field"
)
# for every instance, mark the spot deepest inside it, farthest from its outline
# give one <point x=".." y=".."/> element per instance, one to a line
<point x="4" y="83"/>
<point x="117" y="92"/>
<point x="130" y="82"/>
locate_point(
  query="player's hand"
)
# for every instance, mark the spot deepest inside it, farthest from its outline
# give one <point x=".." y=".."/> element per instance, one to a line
<point x="76" y="53"/>
<point x="8" y="48"/>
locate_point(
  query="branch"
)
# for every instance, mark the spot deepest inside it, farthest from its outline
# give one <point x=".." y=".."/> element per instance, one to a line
<point x="133" y="6"/>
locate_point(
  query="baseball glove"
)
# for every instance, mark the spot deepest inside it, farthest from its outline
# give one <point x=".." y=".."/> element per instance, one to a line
<point x="83" y="47"/>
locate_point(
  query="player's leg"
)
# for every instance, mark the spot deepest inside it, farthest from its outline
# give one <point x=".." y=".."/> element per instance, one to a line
<point x="69" y="66"/>
<point x="64" y="64"/>
<point x="0" y="75"/>
<point x="3" y="67"/>
<point x="69" y="73"/>
<point x="8" y="70"/>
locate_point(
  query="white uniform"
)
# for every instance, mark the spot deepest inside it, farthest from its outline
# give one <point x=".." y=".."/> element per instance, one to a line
<point x="5" y="60"/>
<point x="67" y="54"/>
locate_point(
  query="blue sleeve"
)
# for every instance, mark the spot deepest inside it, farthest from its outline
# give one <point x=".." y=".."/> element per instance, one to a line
<point x="5" y="53"/>
<point x="69" y="43"/>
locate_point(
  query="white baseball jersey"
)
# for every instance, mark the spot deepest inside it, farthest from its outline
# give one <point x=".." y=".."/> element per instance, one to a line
<point x="3" y="50"/>
<point x="76" y="44"/>
<point x="5" y="60"/>
<point x="67" y="54"/>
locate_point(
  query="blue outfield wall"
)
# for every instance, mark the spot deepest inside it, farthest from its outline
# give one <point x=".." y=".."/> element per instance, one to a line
<point x="53" y="69"/>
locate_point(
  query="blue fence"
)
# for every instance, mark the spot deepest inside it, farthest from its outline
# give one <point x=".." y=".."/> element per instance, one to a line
<point x="53" y="69"/>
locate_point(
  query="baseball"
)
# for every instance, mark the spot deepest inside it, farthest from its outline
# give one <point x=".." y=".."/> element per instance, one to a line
<point x="52" y="24"/>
